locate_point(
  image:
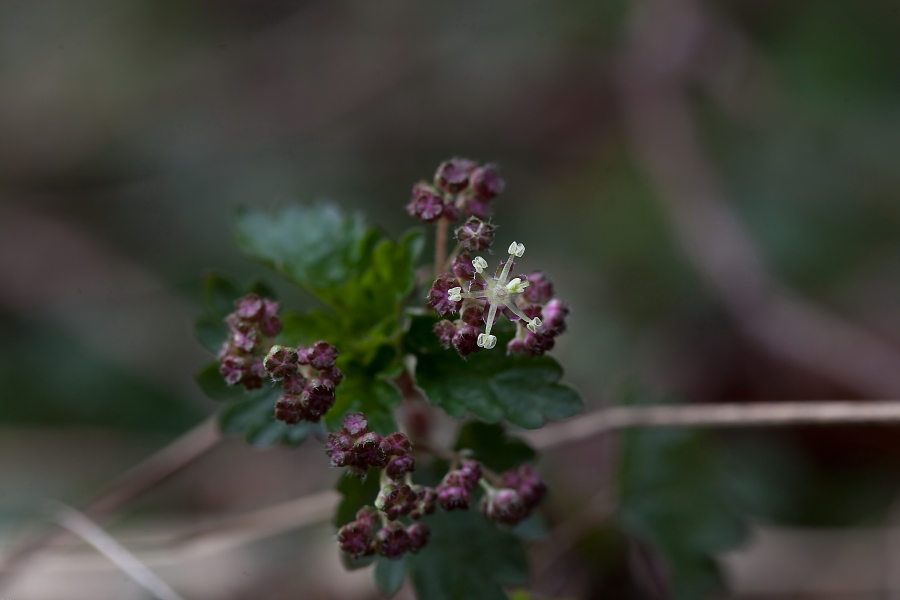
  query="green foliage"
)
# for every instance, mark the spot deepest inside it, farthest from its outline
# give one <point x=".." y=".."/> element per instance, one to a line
<point x="390" y="574"/>
<point x="253" y="415"/>
<point x="490" y="445"/>
<point x="467" y="558"/>
<point x="491" y="385"/>
<point x="676" y="496"/>
<point x="355" y="493"/>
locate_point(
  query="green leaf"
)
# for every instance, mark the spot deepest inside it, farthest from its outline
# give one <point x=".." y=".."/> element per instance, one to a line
<point x="525" y="390"/>
<point x="219" y="294"/>
<point x="356" y="493"/>
<point x="493" y="447"/>
<point x="675" y="496"/>
<point x="213" y="384"/>
<point x="467" y="558"/>
<point x="253" y="415"/>
<point x="390" y="574"/>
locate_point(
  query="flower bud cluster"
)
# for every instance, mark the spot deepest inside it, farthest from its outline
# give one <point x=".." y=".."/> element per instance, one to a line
<point x="308" y="377"/>
<point x="397" y="500"/>
<point x="363" y="537"/>
<point x="455" y="490"/>
<point x="253" y="321"/>
<point x="527" y="300"/>
<point x="523" y="490"/>
<point x="356" y="447"/>
<point x="460" y="186"/>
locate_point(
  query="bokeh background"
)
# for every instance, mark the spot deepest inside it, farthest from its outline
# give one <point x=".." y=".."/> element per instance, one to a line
<point x="713" y="187"/>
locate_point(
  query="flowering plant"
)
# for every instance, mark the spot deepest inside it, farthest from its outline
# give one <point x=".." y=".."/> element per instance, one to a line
<point x="365" y="373"/>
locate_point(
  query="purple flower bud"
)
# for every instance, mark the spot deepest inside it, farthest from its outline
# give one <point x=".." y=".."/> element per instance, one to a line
<point x="445" y="331"/>
<point x="470" y="473"/>
<point x="317" y="398"/>
<point x="289" y="409"/>
<point x="486" y="182"/>
<point x="453" y="175"/>
<point x="418" y="534"/>
<point x="392" y="541"/>
<point x="473" y="315"/>
<point x="232" y="369"/>
<point x="555" y="314"/>
<point x="245" y="340"/>
<point x="475" y="207"/>
<point x="280" y="362"/>
<point x="342" y="458"/>
<point x="426" y="204"/>
<point x="462" y="267"/>
<point x="528" y="483"/>
<point x="334" y="374"/>
<point x="293" y="383"/>
<point x="371" y="450"/>
<point x="439" y="297"/>
<point x="466" y="339"/>
<point x="516" y="346"/>
<point x="321" y="355"/>
<point x="400" y="466"/>
<point x="538" y="343"/>
<point x="270" y="308"/>
<point x="338" y="440"/>
<point x="356" y="424"/>
<point x="452" y="498"/>
<point x="249" y="308"/>
<point x="475" y="235"/>
<point x="424" y="503"/>
<point x="367" y="516"/>
<point x="355" y="539"/>
<point x="540" y="288"/>
<point x="399" y="443"/>
<point x="271" y="326"/>
<point x="504" y="506"/>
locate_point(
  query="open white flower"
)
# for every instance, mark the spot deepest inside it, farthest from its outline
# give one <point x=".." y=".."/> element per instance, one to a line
<point x="498" y="292"/>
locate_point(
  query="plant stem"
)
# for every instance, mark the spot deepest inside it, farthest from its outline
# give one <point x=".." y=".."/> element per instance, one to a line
<point x="771" y="414"/>
<point x="131" y="484"/>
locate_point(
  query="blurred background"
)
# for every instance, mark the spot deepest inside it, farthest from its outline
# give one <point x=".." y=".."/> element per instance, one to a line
<point x="711" y="185"/>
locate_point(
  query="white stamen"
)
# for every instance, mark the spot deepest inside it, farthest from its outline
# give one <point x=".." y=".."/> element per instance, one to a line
<point x="533" y="326"/>
<point x="517" y="286"/>
<point x="486" y="341"/>
<point x="455" y="294"/>
<point x="516" y="249"/>
<point x="479" y="263"/>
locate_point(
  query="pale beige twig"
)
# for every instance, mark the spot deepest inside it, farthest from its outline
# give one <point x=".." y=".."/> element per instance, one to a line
<point x="653" y="80"/>
<point x="87" y="530"/>
<point x="762" y="414"/>
<point x="142" y="477"/>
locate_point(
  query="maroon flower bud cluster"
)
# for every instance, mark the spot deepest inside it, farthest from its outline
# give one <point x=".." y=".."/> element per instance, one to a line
<point x="528" y="483"/>
<point x="460" y="186"/>
<point x="308" y="379"/>
<point x="396" y="500"/>
<point x="475" y="235"/>
<point x="362" y="537"/>
<point x="253" y="321"/>
<point x="455" y="490"/>
<point x="553" y="322"/>
<point x="356" y="447"/>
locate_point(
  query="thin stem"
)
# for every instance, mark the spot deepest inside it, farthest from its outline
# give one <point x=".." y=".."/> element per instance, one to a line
<point x="91" y="533"/>
<point x="134" y="482"/>
<point x="772" y="414"/>
<point x="440" y="246"/>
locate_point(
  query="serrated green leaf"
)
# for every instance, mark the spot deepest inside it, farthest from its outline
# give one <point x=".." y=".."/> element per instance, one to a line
<point x="675" y="496"/>
<point x="492" y="446"/>
<point x="253" y="415"/>
<point x="390" y="574"/>
<point x="492" y="386"/>
<point x="467" y="558"/>
<point x="213" y="384"/>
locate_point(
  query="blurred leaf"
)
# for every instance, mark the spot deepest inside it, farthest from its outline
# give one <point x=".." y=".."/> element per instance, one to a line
<point x="213" y="384"/>
<point x="491" y="385"/>
<point x="254" y="416"/>
<point x="675" y="496"/>
<point x="390" y="574"/>
<point x="356" y="493"/>
<point x="493" y="447"/>
<point x="467" y="558"/>
<point x="219" y="294"/>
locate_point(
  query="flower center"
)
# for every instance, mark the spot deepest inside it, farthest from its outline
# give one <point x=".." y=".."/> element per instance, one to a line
<point x="500" y="293"/>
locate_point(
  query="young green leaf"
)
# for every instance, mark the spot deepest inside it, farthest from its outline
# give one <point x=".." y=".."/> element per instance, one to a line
<point x="254" y="416"/>
<point x="213" y="384"/>
<point x="390" y="575"/>
<point x="490" y="445"/>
